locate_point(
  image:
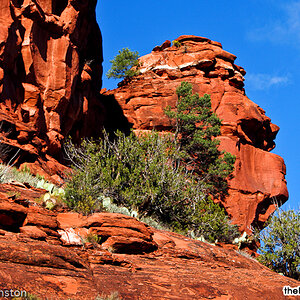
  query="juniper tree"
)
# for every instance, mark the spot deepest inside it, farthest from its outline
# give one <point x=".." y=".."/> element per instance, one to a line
<point x="280" y="250"/>
<point x="196" y="128"/>
<point x="124" y="64"/>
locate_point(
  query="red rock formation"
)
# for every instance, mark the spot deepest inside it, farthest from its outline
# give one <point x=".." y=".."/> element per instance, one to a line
<point x="50" y="75"/>
<point x="246" y="131"/>
<point x="48" y="254"/>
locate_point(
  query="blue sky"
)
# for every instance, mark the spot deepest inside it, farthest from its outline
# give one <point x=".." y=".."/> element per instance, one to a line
<point x="264" y="35"/>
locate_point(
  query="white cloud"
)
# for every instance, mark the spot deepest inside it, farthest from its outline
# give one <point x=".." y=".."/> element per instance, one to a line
<point x="284" y="28"/>
<point x="264" y="81"/>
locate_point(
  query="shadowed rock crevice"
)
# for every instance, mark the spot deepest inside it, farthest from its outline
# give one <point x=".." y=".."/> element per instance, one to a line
<point x="115" y="118"/>
<point x="58" y="6"/>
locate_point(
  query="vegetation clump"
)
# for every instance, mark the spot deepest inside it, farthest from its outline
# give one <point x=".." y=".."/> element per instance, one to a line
<point x="176" y="43"/>
<point x="157" y="175"/>
<point x="112" y="296"/>
<point x="280" y="250"/>
<point x="51" y="200"/>
<point x="124" y="65"/>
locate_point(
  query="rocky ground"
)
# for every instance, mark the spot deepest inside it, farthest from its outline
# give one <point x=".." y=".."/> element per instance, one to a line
<point x="55" y="255"/>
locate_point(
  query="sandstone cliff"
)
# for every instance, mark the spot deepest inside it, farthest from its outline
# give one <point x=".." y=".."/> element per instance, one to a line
<point x="50" y="76"/>
<point x="246" y="131"/>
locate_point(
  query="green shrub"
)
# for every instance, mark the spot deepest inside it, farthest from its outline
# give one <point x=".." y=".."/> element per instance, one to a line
<point x="82" y="191"/>
<point x="280" y="250"/>
<point x="176" y="43"/>
<point x="131" y="171"/>
<point x="140" y="174"/>
<point x="125" y="64"/>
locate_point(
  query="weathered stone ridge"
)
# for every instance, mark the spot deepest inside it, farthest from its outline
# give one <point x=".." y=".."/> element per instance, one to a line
<point x="50" y="76"/>
<point x="246" y="131"/>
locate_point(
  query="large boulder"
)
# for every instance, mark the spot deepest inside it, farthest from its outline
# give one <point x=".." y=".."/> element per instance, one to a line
<point x="247" y="132"/>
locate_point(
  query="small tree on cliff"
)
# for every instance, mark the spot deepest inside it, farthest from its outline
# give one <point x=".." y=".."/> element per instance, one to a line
<point x="280" y="249"/>
<point x="196" y="127"/>
<point x="125" y="64"/>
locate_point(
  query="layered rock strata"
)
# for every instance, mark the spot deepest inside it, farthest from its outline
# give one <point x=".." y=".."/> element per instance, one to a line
<point x="247" y="132"/>
<point x="55" y="255"/>
<point x="50" y="76"/>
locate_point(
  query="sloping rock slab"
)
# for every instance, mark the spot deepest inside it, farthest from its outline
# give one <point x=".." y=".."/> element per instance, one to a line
<point x="133" y="259"/>
<point x="190" y="270"/>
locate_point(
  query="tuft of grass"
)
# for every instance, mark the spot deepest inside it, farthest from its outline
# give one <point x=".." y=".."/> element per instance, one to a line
<point x="245" y="254"/>
<point x="112" y="296"/>
<point x="51" y="200"/>
<point x="8" y="174"/>
<point x="92" y="238"/>
<point x="154" y="223"/>
<point x="111" y="207"/>
<point x="28" y="297"/>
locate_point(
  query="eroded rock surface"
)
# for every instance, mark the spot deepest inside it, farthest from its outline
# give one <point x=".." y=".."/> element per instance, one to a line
<point x="246" y="131"/>
<point x="50" y="76"/>
<point x="52" y="255"/>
